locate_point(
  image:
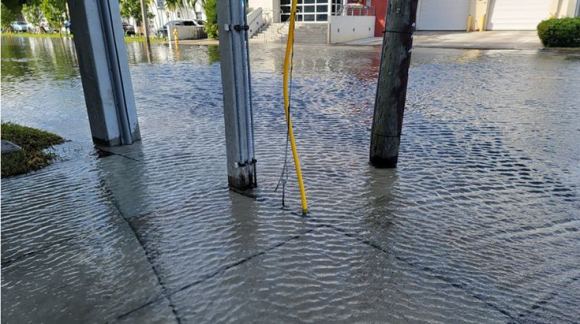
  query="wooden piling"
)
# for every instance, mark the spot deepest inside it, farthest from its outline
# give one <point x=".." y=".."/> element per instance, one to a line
<point x="392" y="83"/>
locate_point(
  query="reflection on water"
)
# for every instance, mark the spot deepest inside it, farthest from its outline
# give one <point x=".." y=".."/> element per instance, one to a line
<point x="33" y="58"/>
<point x="478" y="224"/>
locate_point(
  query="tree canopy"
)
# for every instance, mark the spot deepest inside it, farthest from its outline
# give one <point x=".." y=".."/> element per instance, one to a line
<point x="54" y="11"/>
<point x="131" y="8"/>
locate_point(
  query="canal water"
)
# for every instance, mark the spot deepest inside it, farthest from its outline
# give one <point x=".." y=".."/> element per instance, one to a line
<point x="479" y="223"/>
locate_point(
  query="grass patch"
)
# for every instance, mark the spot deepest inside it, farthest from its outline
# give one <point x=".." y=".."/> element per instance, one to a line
<point x="152" y="39"/>
<point x="33" y="142"/>
<point x="35" y="35"/>
<point x="128" y="39"/>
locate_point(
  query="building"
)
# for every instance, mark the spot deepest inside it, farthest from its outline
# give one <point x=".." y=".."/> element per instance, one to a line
<point x="431" y="14"/>
<point x="490" y="14"/>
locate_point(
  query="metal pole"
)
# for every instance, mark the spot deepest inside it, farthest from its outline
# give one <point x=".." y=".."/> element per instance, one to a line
<point x="235" y="70"/>
<point x="104" y="71"/>
<point x="392" y="84"/>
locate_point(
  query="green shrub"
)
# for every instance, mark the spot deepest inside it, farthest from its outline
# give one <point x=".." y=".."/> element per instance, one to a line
<point x="8" y="15"/>
<point x="562" y="32"/>
<point x="211" y="26"/>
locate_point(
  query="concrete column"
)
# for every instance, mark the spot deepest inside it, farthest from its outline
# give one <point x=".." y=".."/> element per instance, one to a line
<point x="235" y="70"/>
<point x="98" y="37"/>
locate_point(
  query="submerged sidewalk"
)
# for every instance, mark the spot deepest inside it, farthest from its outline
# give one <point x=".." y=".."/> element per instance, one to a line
<point x="478" y="224"/>
<point x="520" y="40"/>
<point x="473" y="40"/>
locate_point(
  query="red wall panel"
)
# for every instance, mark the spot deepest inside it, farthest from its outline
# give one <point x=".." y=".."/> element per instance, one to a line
<point x="380" y="14"/>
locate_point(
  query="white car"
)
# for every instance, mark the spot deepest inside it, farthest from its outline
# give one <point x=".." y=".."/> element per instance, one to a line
<point x="19" y="26"/>
<point x="162" y="32"/>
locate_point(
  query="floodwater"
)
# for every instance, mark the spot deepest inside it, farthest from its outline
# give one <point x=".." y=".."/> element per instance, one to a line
<point x="480" y="222"/>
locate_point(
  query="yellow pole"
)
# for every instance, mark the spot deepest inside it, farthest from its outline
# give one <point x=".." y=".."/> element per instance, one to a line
<point x="482" y="22"/>
<point x="469" y="23"/>
<point x="286" y="84"/>
<point x="176" y="37"/>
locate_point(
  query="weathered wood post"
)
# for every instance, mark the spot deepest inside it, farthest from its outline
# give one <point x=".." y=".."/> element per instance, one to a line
<point x="235" y="70"/>
<point x="98" y="38"/>
<point x="392" y="84"/>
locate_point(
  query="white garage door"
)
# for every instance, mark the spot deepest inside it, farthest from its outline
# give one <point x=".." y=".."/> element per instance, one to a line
<point x="517" y="14"/>
<point x="442" y="14"/>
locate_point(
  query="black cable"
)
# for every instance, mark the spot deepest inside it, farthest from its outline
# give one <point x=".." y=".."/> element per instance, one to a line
<point x="284" y="175"/>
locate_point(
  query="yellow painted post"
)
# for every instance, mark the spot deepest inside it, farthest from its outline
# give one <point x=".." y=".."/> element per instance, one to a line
<point x="481" y="24"/>
<point x="176" y="37"/>
<point x="469" y="23"/>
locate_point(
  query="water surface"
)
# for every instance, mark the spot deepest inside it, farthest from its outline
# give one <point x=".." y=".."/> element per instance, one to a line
<point x="480" y="222"/>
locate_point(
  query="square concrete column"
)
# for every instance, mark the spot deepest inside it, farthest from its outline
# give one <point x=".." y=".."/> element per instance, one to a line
<point x="100" y="46"/>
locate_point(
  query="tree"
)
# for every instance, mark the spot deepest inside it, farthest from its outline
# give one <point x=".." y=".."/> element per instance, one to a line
<point x="210" y="9"/>
<point x="211" y="26"/>
<point x="32" y="13"/>
<point x="131" y="9"/>
<point x="173" y="4"/>
<point x="54" y="12"/>
<point x="8" y="15"/>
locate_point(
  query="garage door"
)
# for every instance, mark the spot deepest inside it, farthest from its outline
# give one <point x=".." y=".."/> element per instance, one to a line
<point x="442" y="14"/>
<point x="517" y="14"/>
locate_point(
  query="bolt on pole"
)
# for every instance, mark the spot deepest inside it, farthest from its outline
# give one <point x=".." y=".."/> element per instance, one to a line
<point x="235" y="71"/>
<point x="392" y="83"/>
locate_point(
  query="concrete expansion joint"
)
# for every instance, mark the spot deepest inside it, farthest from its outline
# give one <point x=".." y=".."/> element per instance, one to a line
<point x="168" y="294"/>
<point x="45" y="249"/>
<point x="545" y="300"/>
<point x="164" y="291"/>
<point x="427" y="269"/>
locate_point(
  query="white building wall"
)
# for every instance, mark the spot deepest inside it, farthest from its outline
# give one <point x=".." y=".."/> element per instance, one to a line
<point x="270" y="9"/>
<point x="348" y="28"/>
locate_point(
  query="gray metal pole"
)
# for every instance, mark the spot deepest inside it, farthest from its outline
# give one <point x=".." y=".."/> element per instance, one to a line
<point x="98" y="37"/>
<point x="235" y="68"/>
<point x="392" y="84"/>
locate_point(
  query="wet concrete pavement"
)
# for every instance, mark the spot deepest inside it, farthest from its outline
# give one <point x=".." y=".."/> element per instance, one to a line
<point x="478" y="224"/>
<point x="487" y="40"/>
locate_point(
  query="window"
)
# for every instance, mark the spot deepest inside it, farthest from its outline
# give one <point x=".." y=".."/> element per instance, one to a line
<point x="308" y="10"/>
